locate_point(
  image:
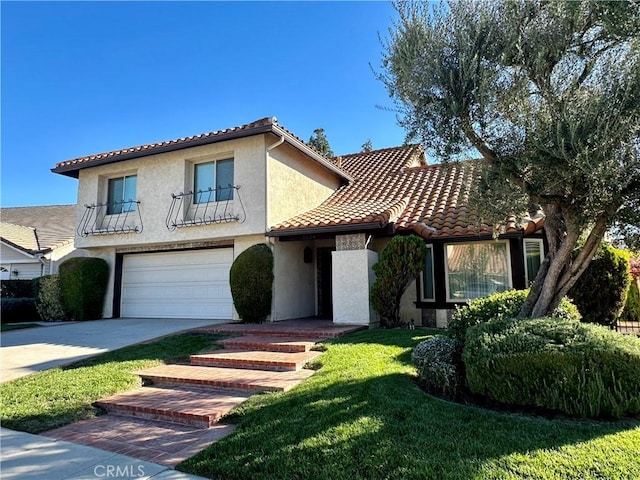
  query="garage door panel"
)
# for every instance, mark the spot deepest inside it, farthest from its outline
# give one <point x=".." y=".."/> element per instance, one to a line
<point x="188" y="284"/>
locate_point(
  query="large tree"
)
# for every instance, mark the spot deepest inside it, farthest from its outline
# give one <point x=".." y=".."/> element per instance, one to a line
<point x="319" y="141"/>
<point x="549" y="94"/>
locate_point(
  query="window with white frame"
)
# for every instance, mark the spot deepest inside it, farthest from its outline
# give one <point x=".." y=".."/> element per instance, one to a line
<point x="477" y="269"/>
<point x="428" y="293"/>
<point x="213" y="181"/>
<point x="121" y="194"/>
<point x="533" y="256"/>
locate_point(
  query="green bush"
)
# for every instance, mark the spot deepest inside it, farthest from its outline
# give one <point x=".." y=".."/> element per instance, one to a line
<point x="401" y="260"/>
<point x="499" y="306"/>
<point x="83" y="283"/>
<point x="14" y="310"/>
<point x="251" y="280"/>
<point x="551" y="363"/>
<point x="17" y="289"/>
<point x="600" y="292"/>
<point x="49" y="298"/>
<point x="439" y="364"/>
<point x="631" y="312"/>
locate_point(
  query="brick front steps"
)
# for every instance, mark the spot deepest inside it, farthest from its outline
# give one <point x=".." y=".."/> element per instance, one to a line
<point x="188" y="406"/>
<point x="256" y="359"/>
<point x="181" y="402"/>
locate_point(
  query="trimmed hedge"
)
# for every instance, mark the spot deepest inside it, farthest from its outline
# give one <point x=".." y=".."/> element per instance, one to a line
<point x="439" y="364"/>
<point x="49" y="298"/>
<point x="14" y="310"/>
<point x="601" y="291"/>
<point x="83" y="283"/>
<point x="17" y="289"/>
<point x="251" y="280"/>
<point x="631" y="312"/>
<point x="499" y="306"/>
<point x="576" y="368"/>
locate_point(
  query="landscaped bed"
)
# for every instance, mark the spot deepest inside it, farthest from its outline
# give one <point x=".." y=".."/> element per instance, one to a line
<point x="362" y="416"/>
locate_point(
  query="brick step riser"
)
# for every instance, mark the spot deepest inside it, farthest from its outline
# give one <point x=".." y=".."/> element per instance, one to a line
<point x="308" y="335"/>
<point x="266" y="347"/>
<point x="244" y="364"/>
<point x="231" y="386"/>
<point x="197" y="421"/>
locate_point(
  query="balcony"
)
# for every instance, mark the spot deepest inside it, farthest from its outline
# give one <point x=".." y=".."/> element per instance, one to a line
<point x="110" y="219"/>
<point x="205" y="207"/>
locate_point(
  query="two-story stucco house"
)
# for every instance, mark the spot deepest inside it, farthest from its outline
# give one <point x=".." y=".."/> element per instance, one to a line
<point x="170" y="218"/>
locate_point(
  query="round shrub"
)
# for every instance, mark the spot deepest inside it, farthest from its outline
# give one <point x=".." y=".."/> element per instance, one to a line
<point x="251" y="280"/>
<point x="576" y="368"/>
<point x="499" y="306"/>
<point x="439" y="364"/>
<point x="601" y="291"/>
<point x="83" y="284"/>
<point x="49" y="298"/>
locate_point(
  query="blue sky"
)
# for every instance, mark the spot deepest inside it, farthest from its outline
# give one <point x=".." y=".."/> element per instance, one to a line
<point x="81" y="78"/>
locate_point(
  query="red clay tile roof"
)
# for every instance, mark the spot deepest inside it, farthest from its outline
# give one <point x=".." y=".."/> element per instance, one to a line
<point x="395" y="185"/>
<point x="264" y="125"/>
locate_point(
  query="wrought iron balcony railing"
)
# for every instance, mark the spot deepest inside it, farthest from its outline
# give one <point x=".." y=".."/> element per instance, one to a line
<point x="111" y="218"/>
<point x="205" y="207"/>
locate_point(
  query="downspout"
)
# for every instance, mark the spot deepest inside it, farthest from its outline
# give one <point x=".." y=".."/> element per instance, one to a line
<point x="266" y="207"/>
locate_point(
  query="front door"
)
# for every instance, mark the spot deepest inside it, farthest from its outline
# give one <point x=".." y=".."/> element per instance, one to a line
<point x="325" y="301"/>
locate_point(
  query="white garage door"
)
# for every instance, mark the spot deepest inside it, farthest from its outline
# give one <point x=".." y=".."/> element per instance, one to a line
<point x="190" y="284"/>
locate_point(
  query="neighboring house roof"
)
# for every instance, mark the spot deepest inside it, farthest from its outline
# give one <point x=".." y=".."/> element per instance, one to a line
<point x="265" y="125"/>
<point x="396" y="185"/>
<point x="38" y="229"/>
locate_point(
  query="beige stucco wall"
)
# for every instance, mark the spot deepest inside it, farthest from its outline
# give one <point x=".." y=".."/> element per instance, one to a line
<point x="295" y="184"/>
<point x="352" y="278"/>
<point x="158" y="176"/>
<point x="294" y="288"/>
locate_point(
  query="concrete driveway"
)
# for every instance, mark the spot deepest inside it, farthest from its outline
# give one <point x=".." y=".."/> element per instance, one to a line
<point x="26" y="351"/>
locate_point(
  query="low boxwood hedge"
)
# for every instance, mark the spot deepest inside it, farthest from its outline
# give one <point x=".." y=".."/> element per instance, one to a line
<point x="558" y="364"/>
<point x="499" y="306"/>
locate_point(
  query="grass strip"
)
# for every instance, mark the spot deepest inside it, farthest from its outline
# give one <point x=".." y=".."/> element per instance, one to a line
<point x="362" y="416"/>
<point x="7" y="327"/>
<point x="64" y="395"/>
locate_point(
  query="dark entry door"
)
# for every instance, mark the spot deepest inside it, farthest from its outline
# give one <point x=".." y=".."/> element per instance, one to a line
<point x="325" y="301"/>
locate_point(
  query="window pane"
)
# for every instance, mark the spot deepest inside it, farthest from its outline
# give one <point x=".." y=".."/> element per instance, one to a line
<point x="533" y="256"/>
<point x="203" y="184"/>
<point x="224" y="170"/>
<point x="477" y="270"/>
<point x="427" y="290"/>
<point x="129" y="193"/>
<point x="114" y="196"/>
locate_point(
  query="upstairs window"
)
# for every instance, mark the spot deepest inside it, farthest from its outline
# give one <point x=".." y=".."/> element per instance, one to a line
<point x="478" y="269"/>
<point x="121" y="195"/>
<point x="213" y="181"/>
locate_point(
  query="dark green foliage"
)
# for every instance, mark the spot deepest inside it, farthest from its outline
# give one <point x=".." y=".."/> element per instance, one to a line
<point x="576" y="368"/>
<point x="83" y="283"/>
<point x="18" y="310"/>
<point x="440" y="367"/>
<point x="17" y="289"/>
<point x="399" y="263"/>
<point x="251" y="280"/>
<point x="319" y="142"/>
<point x="49" y="298"/>
<point x="499" y="306"/>
<point x="631" y="312"/>
<point x="600" y="293"/>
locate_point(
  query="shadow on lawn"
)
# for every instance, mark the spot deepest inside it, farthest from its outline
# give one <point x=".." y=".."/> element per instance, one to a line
<point x="377" y="427"/>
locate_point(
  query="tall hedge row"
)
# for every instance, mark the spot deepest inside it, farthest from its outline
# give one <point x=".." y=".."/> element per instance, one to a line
<point x="83" y="284"/>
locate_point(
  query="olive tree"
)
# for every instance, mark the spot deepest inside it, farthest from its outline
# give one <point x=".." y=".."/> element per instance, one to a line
<point x="548" y="93"/>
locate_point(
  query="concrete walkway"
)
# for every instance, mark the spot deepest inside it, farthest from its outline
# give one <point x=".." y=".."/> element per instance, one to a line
<point x="23" y="352"/>
<point x="26" y="457"/>
<point x="30" y="350"/>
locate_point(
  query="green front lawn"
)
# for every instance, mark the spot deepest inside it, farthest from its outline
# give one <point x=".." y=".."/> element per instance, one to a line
<point x="64" y="395"/>
<point x="7" y="327"/>
<point x="362" y="416"/>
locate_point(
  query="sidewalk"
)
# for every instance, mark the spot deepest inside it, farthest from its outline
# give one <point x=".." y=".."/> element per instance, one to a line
<point x="26" y="456"/>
